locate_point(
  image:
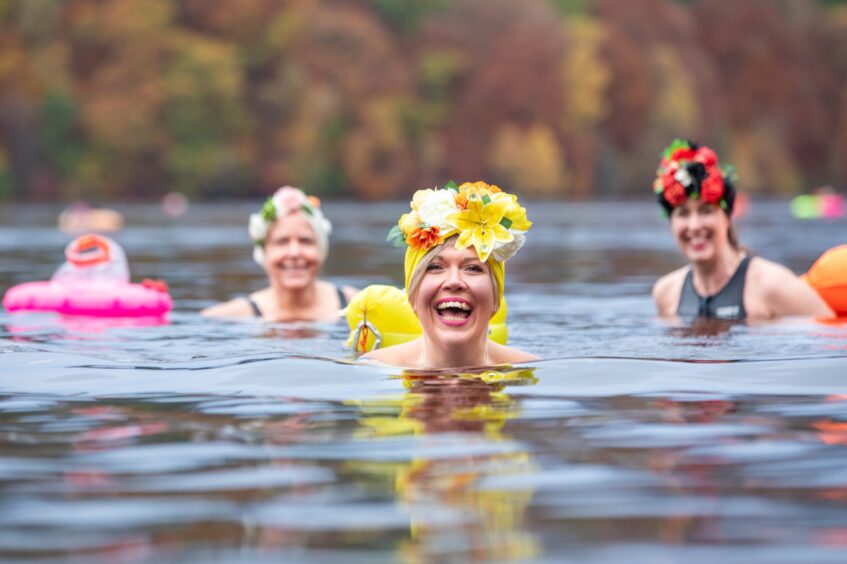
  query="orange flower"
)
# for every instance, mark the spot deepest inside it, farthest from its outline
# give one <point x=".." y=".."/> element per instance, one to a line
<point x="462" y="200"/>
<point x="315" y="201"/>
<point x="423" y="238"/>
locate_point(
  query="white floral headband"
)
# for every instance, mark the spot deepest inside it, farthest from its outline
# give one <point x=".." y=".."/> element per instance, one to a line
<point x="285" y="201"/>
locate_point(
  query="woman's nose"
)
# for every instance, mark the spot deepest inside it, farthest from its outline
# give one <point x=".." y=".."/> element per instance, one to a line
<point x="292" y="248"/>
<point x="455" y="279"/>
<point x="694" y="221"/>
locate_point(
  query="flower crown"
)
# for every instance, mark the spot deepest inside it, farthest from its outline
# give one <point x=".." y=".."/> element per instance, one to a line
<point x="688" y="170"/>
<point x="481" y="215"/>
<point x="283" y="202"/>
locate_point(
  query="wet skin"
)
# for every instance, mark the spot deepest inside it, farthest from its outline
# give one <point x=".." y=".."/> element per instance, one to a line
<point x="292" y="258"/>
<point x="455" y="298"/>
<point x="701" y="230"/>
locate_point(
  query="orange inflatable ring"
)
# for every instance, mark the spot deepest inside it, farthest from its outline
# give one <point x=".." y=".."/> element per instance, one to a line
<point x="828" y="276"/>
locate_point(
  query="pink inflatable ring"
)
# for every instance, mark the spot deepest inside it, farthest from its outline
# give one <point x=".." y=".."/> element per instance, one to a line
<point x="93" y="282"/>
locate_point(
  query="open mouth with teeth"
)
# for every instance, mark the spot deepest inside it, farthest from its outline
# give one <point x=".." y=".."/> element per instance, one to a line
<point x="697" y="242"/>
<point x="453" y="311"/>
<point x="293" y="267"/>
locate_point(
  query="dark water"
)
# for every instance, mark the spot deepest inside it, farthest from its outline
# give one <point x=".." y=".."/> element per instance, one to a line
<point x="633" y="441"/>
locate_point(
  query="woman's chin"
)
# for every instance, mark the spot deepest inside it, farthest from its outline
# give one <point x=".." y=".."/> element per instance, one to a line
<point x="703" y="253"/>
<point x="454" y="332"/>
<point x="295" y="282"/>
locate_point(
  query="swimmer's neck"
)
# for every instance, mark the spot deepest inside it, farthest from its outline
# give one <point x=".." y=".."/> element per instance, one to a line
<point x="438" y="355"/>
<point x="288" y="300"/>
<point x="711" y="276"/>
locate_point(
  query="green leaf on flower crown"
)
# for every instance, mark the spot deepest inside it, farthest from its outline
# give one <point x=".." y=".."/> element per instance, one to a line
<point x="724" y="204"/>
<point x="729" y="172"/>
<point x="394" y="233"/>
<point x="676" y="144"/>
<point x="308" y="209"/>
<point x="695" y="195"/>
<point x="506" y="222"/>
<point x="451" y="186"/>
<point x="260" y="243"/>
<point x="486" y="199"/>
<point x="269" y="210"/>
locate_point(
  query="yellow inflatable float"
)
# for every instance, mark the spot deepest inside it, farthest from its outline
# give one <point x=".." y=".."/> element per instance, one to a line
<point x="381" y="316"/>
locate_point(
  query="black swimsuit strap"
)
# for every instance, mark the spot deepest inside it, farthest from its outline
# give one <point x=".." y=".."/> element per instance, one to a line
<point x="254" y="306"/>
<point x="342" y="299"/>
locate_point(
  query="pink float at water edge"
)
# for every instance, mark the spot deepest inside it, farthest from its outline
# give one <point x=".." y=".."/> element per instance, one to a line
<point x="94" y="281"/>
<point x="120" y="300"/>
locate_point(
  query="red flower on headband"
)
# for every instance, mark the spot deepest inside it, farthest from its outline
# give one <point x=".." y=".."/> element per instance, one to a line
<point x="683" y="154"/>
<point x="673" y="191"/>
<point x="711" y="189"/>
<point x="706" y="156"/>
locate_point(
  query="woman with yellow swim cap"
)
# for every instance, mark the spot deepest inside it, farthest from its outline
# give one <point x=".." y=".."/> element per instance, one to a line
<point x="457" y="239"/>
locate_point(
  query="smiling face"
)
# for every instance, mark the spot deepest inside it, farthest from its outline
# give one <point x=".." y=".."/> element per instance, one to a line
<point x="292" y="258"/>
<point x="454" y="298"/>
<point x="701" y="230"/>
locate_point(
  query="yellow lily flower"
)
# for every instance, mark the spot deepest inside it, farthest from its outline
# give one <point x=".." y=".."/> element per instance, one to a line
<point x="479" y="225"/>
<point x="514" y="212"/>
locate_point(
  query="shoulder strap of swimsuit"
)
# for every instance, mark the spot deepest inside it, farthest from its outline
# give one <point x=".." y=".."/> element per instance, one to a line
<point x="735" y="286"/>
<point x="342" y="299"/>
<point x="689" y="300"/>
<point x="734" y="289"/>
<point x="254" y="306"/>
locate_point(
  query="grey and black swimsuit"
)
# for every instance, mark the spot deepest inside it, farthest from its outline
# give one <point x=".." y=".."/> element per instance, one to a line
<point x="728" y="303"/>
<point x="342" y="299"/>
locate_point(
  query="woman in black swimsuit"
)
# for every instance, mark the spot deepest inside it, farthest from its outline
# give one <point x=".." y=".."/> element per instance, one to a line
<point x="290" y="241"/>
<point x="721" y="280"/>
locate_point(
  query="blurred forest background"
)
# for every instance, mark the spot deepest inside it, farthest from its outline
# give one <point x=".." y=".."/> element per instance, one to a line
<point x="372" y="99"/>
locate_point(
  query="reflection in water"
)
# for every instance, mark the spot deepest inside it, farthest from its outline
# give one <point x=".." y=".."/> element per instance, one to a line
<point x="492" y="525"/>
<point x="704" y="327"/>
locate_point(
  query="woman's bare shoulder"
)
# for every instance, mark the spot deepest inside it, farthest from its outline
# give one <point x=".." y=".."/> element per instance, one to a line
<point x="666" y="290"/>
<point x="406" y="354"/>
<point x="783" y="292"/>
<point x="238" y="307"/>
<point x="502" y="354"/>
<point x="349" y="292"/>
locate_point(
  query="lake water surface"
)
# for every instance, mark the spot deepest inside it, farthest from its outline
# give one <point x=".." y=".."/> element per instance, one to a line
<point x="634" y="440"/>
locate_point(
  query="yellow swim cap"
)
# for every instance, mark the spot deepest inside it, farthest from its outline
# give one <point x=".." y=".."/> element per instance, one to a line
<point x="480" y="214"/>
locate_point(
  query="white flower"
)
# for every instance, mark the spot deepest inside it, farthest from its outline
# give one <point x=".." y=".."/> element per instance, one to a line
<point x="436" y="207"/>
<point x="258" y="227"/>
<point x="324" y="223"/>
<point x="259" y="255"/>
<point x="683" y="176"/>
<point x="503" y="251"/>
